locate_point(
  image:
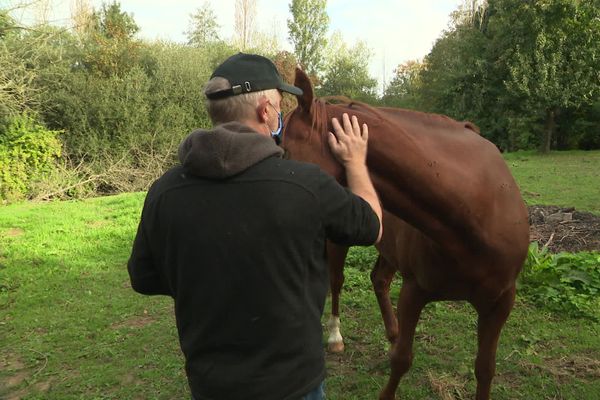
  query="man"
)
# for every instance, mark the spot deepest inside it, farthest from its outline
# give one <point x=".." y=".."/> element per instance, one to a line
<point x="236" y="235"/>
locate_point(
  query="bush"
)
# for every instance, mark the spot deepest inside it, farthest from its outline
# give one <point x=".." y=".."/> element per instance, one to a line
<point x="564" y="282"/>
<point x="28" y="153"/>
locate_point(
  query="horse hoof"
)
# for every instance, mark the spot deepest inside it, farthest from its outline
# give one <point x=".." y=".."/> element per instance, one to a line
<point x="335" y="347"/>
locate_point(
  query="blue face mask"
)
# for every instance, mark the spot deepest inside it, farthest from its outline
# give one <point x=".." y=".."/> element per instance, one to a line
<point x="276" y="134"/>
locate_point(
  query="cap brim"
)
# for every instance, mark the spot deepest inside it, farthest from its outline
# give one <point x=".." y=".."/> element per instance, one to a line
<point x="291" y="89"/>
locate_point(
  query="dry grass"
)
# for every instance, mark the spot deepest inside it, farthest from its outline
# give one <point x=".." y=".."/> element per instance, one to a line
<point x="448" y="387"/>
<point x="566" y="368"/>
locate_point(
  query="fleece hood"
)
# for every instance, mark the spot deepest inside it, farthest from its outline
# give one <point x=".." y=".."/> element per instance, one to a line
<point x="224" y="151"/>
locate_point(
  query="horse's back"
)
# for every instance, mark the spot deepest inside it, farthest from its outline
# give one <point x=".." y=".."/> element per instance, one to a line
<point x="480" y="195"/>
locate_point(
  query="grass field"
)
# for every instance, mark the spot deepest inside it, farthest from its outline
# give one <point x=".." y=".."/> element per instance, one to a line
<point x="569" y="178"/>
<point x="72" y="328"/>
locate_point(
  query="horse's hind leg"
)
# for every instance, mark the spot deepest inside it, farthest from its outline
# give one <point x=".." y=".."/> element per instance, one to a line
<point x="491" y="320"/>
<point x="382" y="277"/>
<point x="336" y="256"/>
<point x="410" y="304"/>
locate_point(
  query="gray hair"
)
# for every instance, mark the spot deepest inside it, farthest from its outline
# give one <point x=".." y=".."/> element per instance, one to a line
<point x="233" y="108"/>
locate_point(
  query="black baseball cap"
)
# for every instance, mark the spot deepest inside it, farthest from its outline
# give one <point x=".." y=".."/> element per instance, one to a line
<point x="249" y="73"/>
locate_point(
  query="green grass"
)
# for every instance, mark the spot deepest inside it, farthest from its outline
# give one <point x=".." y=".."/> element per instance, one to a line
<point x="570" y="178"/>
<point x="72" y="328"/>
<point x="540" y="356"/>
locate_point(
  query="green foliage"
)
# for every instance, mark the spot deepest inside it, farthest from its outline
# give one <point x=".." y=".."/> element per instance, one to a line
<point x="562" y="282"/>
<point x="203" y="26"/>
<point x="361" y="258"/>
<point x="113" y="23"/>
<point x="28" y="152"/>
<point x="404" y="89"/>
<point x="7" y="24"/>
<point x="307" y="30"/>
<point x="527" y="73"/>
<point x="110" y="47"/>
<point x="17" y="94"/>
<point x="461" y="78"/>
<point x="123" y="104"/>
<point x="553" y="59"/>
<point x="346" y="71"/>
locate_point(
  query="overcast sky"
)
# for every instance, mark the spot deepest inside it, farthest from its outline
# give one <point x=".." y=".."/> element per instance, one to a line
<point x="395" y="30"/>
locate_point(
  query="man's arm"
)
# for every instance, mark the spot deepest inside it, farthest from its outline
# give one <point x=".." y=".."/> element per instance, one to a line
<point x="144" y="276"/>
<point x="349" y="145"/>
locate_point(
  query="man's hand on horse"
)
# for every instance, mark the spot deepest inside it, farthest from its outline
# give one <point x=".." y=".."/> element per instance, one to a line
<point x="349" y="142"/>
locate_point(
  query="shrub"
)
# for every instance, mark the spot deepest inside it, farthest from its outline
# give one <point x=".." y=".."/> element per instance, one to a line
<point x="28" y="152"/>
<point x="563" y="282"/>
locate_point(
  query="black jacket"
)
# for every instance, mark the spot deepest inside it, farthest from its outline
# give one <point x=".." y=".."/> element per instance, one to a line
<point x="236" y="235"/>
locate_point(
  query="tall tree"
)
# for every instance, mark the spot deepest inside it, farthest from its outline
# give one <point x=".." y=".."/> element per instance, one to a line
<point x="15" y="75"/>
<point x="403" y="90"/>
<point x="307" y="30"/>
<point x="523" y="71"/>
<point x="113" y="23"/>
<point x="203" y="26"/>
<point x="245" y="22"/>
<point x="553" y="61"/>
<point x="346" y="71"/>
<point x="110" y="46"/>
<point x="82" y="16"/>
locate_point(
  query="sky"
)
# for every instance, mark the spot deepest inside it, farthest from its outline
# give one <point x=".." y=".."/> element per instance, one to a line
<point x="396" y="31"/>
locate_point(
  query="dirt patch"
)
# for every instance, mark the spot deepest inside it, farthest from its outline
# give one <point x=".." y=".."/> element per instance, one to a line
<point x="97" y="223"/>
<point x="134" y="322"/>
<point x="18" y="375"/>
<point x="131" y="380"/>
<point x="11" y="362"/>
<point x="564" y="229"/>
<point x="13" y="232"/>
<point x="16" y="379"/>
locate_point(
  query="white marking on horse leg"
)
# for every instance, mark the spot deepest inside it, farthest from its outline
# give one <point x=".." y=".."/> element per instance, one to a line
<point x="335" y="343"/>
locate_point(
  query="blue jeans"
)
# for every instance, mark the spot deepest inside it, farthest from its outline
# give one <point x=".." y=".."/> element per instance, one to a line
<point x="317" y="394"/>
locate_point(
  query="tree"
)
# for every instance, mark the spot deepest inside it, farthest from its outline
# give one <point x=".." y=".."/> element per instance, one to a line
<point x="525" y="72"/>
<point x="346" y="71"/>
<point x="245" y="19"/>
<point x="203" y="26"/>
<point x="113" y="23"/>
<point x="17" y="94"/>
<point x="286" y="65"/>
<point x="403" y="90"/>
<point x="553" y="61"/>
<point x="110" y="46"/>
<point x="307" y="30"/>
<point x="82" y="16"/>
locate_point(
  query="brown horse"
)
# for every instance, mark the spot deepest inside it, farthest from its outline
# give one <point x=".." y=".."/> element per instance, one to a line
<point x="456" y="226"/>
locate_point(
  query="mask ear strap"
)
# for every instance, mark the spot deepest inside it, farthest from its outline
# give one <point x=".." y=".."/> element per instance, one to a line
<point x="277" y="134"/>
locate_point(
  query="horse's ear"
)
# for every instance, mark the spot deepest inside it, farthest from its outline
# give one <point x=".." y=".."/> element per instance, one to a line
<point x="303" y="82"/>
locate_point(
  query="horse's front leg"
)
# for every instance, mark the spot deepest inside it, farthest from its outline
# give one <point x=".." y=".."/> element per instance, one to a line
<point x="336" y="257"/>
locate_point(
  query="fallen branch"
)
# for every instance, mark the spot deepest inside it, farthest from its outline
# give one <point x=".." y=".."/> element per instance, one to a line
<point x="48" y="196"/>
<point x="549" y="241"/>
